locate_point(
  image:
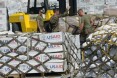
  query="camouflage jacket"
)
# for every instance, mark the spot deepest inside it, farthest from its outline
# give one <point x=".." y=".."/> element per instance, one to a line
<point x="55" y="19"/>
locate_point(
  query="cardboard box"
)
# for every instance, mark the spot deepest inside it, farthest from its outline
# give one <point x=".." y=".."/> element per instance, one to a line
<point x="110" y="11"/>
<point x="50" y="48"/>
<point x="56" y="65"/>
<point x="22" y="49"/>
<point x="13" y="44"/>
<point x="60" y="56"/>
<point x="5" y="69"/>
<point x="56" y="37"/>
<point x="3" y="18"/>
<point x="54" y="48"/>
<point x="66" y="21"/>
<point x="41" y="45"/>
<point x="59" y="66"/>
<point x="3" y="26"/>
<point x="62" y="25"/>
<point x="4" y="59"/>
<point x="2" y="4"/>
<point x="4" y="49"/>
<point x="3" y="11"/>
<point x="22" y="39"/>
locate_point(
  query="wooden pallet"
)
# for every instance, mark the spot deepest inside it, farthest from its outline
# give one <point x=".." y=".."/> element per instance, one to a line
<point x="14" y="76"/>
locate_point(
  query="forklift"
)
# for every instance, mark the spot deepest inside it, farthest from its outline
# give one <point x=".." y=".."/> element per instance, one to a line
<point x="24" y="22"/>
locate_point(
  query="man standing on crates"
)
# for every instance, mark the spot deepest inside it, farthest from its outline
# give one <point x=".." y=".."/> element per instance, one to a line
<point x="86" y="25"/>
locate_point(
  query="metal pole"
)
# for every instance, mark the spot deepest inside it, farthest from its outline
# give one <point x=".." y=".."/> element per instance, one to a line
<point x="28" y="6"/>
<point x="73" y="7"/>
<point x="62" y="6"/>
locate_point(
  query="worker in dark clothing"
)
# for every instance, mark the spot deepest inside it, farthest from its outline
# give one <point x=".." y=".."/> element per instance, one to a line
<point x="55" y="19"/>
<point x="40" y="22"/>
<point x="86" y="25"/>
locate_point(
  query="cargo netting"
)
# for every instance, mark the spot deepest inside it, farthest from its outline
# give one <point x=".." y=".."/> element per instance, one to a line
<point x="100" y="53"/>
<point x="39" y="53"/>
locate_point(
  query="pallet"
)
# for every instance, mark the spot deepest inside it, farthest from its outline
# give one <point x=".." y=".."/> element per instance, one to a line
<point x="46" y="77"/>
<point x="44" y="74"/>
<point x="51" y="75"/>
<point x="15" y="76"/>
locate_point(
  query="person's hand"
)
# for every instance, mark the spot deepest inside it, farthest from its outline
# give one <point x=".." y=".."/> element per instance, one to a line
<point x="68" y="7"/>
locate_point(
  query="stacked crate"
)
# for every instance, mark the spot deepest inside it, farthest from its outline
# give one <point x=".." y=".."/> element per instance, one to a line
<point x="3" y="19"/>
<point x="39" y="53"/>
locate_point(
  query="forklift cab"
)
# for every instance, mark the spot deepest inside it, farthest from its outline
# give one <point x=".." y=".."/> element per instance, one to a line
<point x="26" y="22"/>
<point x="23" y="22"/>
<point x="48" y="8"/>
<point x="35" y="5"/>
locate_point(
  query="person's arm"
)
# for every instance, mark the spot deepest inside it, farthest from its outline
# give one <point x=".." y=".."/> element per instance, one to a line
<point x="54" y="19"/>
<point x="91" y="21"/>
<point x="64" y="14"/>
<point x="81" y="27"/>
<point x="81" y="24"/>
<point x="38" y="26"/>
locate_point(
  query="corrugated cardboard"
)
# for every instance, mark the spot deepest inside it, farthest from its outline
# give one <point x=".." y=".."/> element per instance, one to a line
<point x="59" y="66"/>
<point x="57" y="56"/>
<point x="3" y="11"/>
<point x="111" y="11"/>
<point x="56" y="37"/>
<point x="57" y="51"/>
<point x="3" y="18"/>
<point x="2" y="4"/>
<point x="49" y="48"/>
<point x="71" y="20"/>
<point x="54" y="48"/>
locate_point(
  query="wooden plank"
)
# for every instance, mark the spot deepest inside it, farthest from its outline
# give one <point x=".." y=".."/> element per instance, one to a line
<point x="14" y="76"/>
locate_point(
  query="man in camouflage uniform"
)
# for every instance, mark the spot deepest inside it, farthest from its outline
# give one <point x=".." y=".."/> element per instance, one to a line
<point x="55" y="19"/>
<point x="40" y="22"/>
<point x="85" y="25"/>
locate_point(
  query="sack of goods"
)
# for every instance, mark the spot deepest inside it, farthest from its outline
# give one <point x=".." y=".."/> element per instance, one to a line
<point x="100" y="51"/>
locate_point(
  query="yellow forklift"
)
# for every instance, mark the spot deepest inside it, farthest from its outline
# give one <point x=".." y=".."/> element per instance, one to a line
<point x="26" y="22"/>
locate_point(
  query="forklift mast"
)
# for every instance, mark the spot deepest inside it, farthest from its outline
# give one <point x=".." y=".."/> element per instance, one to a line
<point x="28" y="6"/>
<point x="62" y="7"/>
<point x="73" y="7"/>
<point x="72" y="4"/>
<point x="46" y="6"/>
<point x="36" y="9"/>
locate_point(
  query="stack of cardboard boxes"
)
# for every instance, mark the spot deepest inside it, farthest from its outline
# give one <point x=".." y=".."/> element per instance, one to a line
<point x="39" y="53"/>
<point x="3" y="16"/>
